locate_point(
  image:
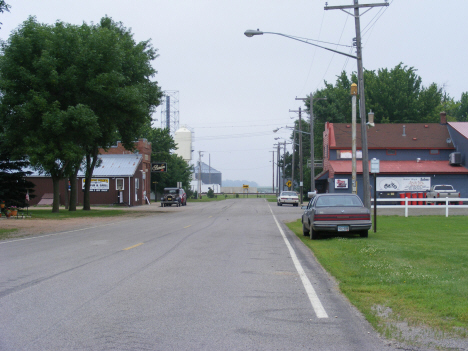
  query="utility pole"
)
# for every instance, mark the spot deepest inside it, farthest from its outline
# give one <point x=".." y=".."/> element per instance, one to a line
<point x="301" y="172"/>
<point x="293" y="153"/>
<point x="277" y="169"/>
<point x="284" y="164"/>
<point x="199" y="173"/>
<point x="362" y="103"/>
<point x="312" y="156"/>
<point x="353" y="138"/>
<point x="273" y="166"/>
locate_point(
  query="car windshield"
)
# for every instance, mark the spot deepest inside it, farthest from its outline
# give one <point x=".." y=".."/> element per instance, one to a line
<point x="170" y="191"/>
<point x="338" y="201"/>
<point x="288" y="193"/>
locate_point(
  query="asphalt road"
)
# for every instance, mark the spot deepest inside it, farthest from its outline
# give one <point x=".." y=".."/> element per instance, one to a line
<point x="223" y="275"/>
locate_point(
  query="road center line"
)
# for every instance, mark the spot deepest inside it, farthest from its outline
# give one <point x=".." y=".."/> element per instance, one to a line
<point x="188" y="226"/>
<point x="314" y="300"/>
<point x="132" y="247"/>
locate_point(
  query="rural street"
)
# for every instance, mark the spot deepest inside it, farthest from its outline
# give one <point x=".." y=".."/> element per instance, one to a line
<point x="224" y="275"/>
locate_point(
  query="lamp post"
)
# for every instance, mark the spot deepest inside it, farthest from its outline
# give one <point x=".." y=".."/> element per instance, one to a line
<point x="365" y="163"/>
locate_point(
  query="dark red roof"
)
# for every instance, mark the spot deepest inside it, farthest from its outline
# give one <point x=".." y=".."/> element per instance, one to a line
<point x="402" y="167"/>
<point x="390" y="136"/>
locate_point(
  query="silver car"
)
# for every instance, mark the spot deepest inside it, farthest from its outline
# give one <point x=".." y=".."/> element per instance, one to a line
<point x="337" y="213"/>
<point x="288" y="197"/>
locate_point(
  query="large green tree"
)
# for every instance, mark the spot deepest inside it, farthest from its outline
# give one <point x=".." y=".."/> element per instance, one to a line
<point x="69" y="90"/>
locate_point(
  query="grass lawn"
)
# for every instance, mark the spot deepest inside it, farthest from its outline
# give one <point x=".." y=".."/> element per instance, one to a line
<point x="4" y="233"/>
<point x="413" y="269"/>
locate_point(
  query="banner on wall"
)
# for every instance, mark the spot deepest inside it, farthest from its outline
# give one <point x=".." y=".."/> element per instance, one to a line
<point x="97" y="184"/>
<point x="403" y="183"/>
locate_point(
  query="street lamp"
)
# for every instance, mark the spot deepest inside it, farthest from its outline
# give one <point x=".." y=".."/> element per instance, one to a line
<point x="365" y="162"/>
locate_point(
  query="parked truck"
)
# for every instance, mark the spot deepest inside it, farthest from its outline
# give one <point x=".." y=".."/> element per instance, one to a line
<point x="442" y="192"/>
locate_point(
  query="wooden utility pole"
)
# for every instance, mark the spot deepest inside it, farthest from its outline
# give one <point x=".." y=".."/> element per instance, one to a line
<point x="362" y="102"/>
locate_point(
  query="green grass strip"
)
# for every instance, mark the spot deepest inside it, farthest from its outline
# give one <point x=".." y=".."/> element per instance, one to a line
<point x="415" y="269"/>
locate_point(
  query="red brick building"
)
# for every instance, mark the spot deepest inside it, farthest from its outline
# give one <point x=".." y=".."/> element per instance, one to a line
<point x="121" y="176"/>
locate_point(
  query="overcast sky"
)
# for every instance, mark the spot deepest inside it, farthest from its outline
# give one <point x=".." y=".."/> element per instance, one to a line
<point x="234" y="90"/>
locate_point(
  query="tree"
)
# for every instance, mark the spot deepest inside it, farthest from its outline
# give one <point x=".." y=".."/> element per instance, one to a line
<point x="69" y="90"/>
<point x="14" y="185"/>
<point x="4" y="7"/>
<point x="462" y="112"/>
<point x="178" y="170"/>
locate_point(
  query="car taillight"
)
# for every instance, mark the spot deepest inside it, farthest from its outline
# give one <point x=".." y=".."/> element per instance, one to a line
<point x="342" y="217"/>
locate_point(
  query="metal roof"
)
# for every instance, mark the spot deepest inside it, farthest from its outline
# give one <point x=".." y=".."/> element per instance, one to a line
<point x="116" y="166"/>
<point x="205" y="168"/>
<point x="460" y="127"/>
<point x="402" y="167"/>
<point x="124" y="165"/>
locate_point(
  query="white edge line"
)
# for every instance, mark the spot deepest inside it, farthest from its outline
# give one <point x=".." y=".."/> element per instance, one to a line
<point x="314" y="299"/>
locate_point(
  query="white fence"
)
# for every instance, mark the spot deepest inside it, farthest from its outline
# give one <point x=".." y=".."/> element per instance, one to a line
<point x="435" y="204"/>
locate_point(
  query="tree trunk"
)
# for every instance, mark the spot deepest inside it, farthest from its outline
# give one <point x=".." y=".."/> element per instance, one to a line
<point x="73" y="189"/>
<point x="66" y="194"/>
<point x="90" y="164"/>
<point x="56" y="187"/>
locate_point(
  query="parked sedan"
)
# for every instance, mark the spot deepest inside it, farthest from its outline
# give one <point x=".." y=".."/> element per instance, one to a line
<point x="337" y="213"/>
<point x="288" y="197"/>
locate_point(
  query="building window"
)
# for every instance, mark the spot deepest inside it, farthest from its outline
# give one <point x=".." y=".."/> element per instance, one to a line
<point x="391" y="152"/>
<point x="119" y="184"/>
<point x="434" y="152"/>
<point x="137" y="183"/>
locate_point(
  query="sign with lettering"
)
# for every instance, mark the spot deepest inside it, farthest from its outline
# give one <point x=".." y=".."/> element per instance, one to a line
<point x="97" y="184"/>
<point x="341" y="183"/>
<point x="158" y="167"/>
<point x="403" y="183"/>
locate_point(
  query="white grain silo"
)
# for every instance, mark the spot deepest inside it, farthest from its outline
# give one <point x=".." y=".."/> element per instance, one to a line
<point x="183" y="139"/>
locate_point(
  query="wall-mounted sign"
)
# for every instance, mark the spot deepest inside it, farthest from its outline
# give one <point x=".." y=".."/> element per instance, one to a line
<point x="158" y="167"/>
<point x="97" y="184"/>
<point x="344" y="154"/>
<point x="403" y="184"/>
<point x="341" y="183"/>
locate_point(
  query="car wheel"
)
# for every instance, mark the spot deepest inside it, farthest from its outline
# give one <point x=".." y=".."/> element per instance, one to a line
<point x="313" y="234"/>
<point x="305" y="231"/>
<point x="364" y="234"/>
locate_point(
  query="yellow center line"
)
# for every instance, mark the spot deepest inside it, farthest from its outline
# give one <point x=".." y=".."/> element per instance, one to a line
<point x="210" y="216"/>
<point x="132" y="247"/>
<point x="187" y="226"/>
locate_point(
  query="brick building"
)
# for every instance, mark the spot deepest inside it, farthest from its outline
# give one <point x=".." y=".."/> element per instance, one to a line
<point x="413" y="156"/>
<point x="121" y="176"/>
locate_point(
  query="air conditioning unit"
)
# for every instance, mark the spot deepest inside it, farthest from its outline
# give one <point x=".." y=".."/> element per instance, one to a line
<point x="455" y="159"/>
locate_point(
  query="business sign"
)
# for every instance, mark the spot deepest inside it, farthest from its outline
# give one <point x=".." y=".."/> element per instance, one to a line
<point x="97" y="184"/>
<point x="403" y="183"/>
<point x="159" y="167"/>
<point x="341" y="183"/>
